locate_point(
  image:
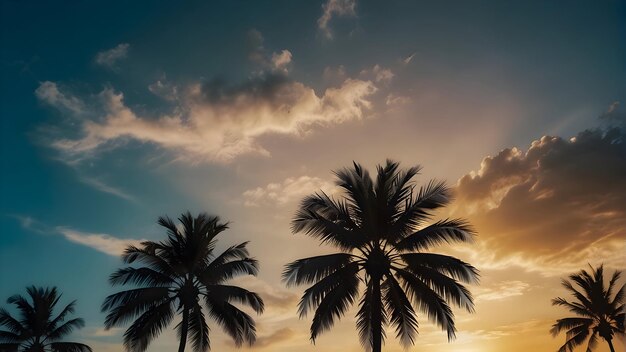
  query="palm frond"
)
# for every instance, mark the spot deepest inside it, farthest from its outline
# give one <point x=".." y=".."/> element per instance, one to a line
<point x="313" y="296"/>
<point x="334" y="303"/>
<point x="442" y="232"/>
<point x="8" y="321"/>
<point x="69" y="347"/>
<point x="313" y="269"/>
<point x="236" y="294"/>
<point x="65" y="329"/>
<point x="569" y="323"/>
<point x="126" y="305"/>
<point x="140" y="276"/>
<point x="329" y="221"/>
<point x="429" y="302"/>
<point x="145" y="328"/>
<point x="199" y="330"/>
<point x="236" y="323"/>
<point x="401" y="312"/>
<point x="444" y="264"/>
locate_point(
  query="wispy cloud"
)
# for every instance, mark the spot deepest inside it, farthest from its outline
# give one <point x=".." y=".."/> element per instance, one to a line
<point x="49" y="93"/>
<point x="103" y="187"/>
<point x="101" y="242"/>
<point x="335" y="8"/>
<point x="501" y="290"/>
<point x="407" y="60"/>
<point x="289" y="190"/>
<point x="109" y="58"/>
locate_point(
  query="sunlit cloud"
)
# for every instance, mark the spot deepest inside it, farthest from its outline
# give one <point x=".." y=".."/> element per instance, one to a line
<point x="289" y="190"/>
<point x="501" y="290"/>
<point x="216" y="123"/>
<point x="101" y="242"/>
<point x="552" y="208"/>
<point x="378" y="74"/>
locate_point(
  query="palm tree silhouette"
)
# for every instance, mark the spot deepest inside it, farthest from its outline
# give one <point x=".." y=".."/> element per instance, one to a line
<point x="380" y="228"/>
<point x="599" y="312"/>
<point x="35" y="330"/>
<point x="178" y="273"/>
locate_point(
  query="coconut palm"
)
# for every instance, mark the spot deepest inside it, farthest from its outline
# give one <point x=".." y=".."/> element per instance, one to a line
<point x="179" y="274"/>
<point x="383" y="229"/>
<point x="599" y="312"/>
<point x="36" y="329"/>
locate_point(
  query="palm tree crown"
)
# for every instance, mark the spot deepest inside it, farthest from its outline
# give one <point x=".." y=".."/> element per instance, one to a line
<point x="36" y="329"/>
<point x="599" y="312"/>
<point x="179" y="274"/>
<point x="383" y="229"/>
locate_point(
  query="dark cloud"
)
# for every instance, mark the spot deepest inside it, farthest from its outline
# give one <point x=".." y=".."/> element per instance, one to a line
<point x="562" y="201"/>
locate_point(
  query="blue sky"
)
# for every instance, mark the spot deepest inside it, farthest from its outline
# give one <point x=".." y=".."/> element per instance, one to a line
<point x="442" y="83"/>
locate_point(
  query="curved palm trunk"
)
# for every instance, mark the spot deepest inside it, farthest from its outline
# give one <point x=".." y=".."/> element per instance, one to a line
<point x="610" y="345"/>
<point x="377" y="330"/>
<point x="183" y="330"/>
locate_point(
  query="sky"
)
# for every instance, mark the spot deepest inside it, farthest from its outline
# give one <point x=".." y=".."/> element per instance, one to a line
<point x="114" y="113"/>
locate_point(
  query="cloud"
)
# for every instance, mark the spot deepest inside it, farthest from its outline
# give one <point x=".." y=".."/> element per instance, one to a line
<point x="108" y="58"/>
<point x="103" y="332"/>
<point x="101" y="242"/>
<point x="49" y="93"/>
<point x="277" y="336"/>
<point x="103" y="187"/>
<point x="378" y="74"/>
<point x="408" y="59"/>
<point x="277" y="62"/>
<point x="213" y="122"/>
<point x="552" y="208"/>
<point x="335" y="8"/>
<point x="290" y="190"/>
<point x="397" y="100"/>
<point x="281" y="60"/>
<point x="501" y="291"/>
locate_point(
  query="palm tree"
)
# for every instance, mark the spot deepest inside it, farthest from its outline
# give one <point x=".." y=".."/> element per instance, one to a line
<point x="36" y="329"/>
<point x="179" y="273"/>
<point x="381" y="229"/>
<point x="599" y="312"/>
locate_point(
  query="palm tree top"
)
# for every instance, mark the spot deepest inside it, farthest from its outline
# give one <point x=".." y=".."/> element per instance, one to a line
<point x="37" y="328"/>
<point x="183" y="275"/>
<point x="384" y="227"/>
<point x="598" y="306"/>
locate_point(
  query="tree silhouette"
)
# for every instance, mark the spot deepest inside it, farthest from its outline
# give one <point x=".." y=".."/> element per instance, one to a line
<point x="179" y="273"/>
<point x="36" y="329"/>
<point x="599" y="313"/>
<point x="381" y="229"/>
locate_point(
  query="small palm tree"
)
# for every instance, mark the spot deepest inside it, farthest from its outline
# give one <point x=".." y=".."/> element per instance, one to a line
<point x="383" y="229"/>
<point x="599" y="312"/>
<point x="179" y="274"/>
<point x="36" y="329"/>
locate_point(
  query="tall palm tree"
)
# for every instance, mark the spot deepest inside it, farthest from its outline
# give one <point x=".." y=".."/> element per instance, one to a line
<point x="179" y="274"/>
<point x="36" y="329"/>
<point x="383" y="230"/>
<point x="599" y="312"/>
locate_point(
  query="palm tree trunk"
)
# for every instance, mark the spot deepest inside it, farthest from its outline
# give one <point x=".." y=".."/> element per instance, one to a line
<point x="610" y="345"/>
<point x="377" y="330"/>
<point x="183" y="330"/>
